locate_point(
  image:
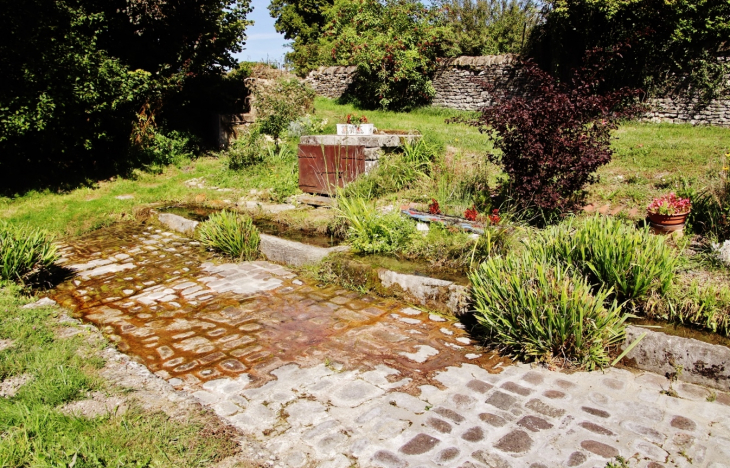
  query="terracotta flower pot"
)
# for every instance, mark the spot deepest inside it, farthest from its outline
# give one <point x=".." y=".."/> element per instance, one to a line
<point x="668" y="223"/>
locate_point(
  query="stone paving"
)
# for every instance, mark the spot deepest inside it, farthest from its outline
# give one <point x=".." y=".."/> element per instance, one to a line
<point x="325" y="377"/>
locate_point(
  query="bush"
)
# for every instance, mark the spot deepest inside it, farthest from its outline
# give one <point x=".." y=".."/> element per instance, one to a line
<point x="554" y="138"/>
<point x="24" y="252"/>
<point x="246" y="150"/>
<point x="612" y="253"/>
<point x="710" y="215"/>
<point x="307" y="125"/>
<point x="279" y="102"/>
<point x="538" y="310"/>
<point x="232" y="234"/>
<point x="372" y="232"/>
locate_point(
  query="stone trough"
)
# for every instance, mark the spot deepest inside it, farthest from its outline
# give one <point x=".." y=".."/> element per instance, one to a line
<point x="700" y="363"/>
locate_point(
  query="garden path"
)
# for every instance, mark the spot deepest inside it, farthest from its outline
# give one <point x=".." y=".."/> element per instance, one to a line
<point x="325" y="377"/>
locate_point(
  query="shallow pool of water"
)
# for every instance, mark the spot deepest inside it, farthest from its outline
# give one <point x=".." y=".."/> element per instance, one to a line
<point x="681" y="331"/>
<point x="417" y="268"/>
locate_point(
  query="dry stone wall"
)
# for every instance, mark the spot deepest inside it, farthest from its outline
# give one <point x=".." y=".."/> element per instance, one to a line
<point x="460" y="84"/>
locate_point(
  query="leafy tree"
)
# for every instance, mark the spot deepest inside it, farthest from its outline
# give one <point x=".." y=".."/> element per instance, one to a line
<point x="488" y="27"/>
<point x="675" y="44"/>
<point x="79" y="75"/>
<point x="393" y="43"/>
<point x="301" y="21"/>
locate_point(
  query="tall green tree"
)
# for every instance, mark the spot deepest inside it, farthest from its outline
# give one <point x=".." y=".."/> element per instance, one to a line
<point x="79" y="75"/>
<point x="488" y="27"/>
<point x="393" y="43"/>
<point x="301" y="21"/>
<point x="674" y="44"/>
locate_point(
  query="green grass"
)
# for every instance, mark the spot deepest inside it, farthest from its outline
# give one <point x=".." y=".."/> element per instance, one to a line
<point x="669" y="154"/>
<point x="33" y="430"/>
<point x="427" y="120"/>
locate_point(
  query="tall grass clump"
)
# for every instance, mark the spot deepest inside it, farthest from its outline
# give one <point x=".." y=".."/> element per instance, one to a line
<point x="703" y="306"/>
<point x="24" y="252"/>
<point x="233" y="234"/>
<point x="370" y="231"/>
<point x="397" y="171"/>
<point x="535" y="309"/>
<point x="613" y="253"/>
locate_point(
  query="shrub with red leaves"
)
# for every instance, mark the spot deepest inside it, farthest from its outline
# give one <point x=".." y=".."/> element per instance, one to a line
<point x="555" y="135"/>
<point x="433" y="207"/>
<point x="471" y="214"/>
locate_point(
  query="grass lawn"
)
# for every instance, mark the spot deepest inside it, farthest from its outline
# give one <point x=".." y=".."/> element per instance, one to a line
<point x="649" y="159"/>
<point x="60" y="368"/>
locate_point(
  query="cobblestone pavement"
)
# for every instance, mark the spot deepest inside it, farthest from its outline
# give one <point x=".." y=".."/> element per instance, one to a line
<point x="330" y="378"/>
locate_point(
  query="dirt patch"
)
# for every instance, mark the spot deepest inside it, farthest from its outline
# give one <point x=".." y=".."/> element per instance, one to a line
<point x="9" y="387"/>
<point x="98" y="405"/>
<point x="5" y="344"/>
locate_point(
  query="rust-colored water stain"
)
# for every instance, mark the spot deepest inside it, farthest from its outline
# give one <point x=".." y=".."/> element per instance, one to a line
<point x="225" y="334"/>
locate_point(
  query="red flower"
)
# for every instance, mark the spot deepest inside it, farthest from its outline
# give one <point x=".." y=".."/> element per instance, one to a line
<point x="494" y="217"/>
<point x="471" y="213"/>
<point x="433" y="207"/>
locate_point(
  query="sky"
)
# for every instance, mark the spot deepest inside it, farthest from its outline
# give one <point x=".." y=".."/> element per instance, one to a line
<point x="263" y="41"/>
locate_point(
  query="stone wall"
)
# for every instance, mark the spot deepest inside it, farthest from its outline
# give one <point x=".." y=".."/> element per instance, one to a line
<point x="459" y="84"/>
<point x="331" y="82"/>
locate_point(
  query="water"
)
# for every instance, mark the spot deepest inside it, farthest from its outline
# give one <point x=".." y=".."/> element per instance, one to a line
<point x="264" y="225"/>
<point x="683" y="331"/>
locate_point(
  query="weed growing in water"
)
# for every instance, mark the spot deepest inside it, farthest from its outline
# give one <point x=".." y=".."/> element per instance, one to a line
<point x="233" y="234"/>
<point x="372" y="232"/>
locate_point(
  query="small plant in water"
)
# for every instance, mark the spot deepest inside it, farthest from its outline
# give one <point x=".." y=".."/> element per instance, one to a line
<point x="669" y="205"/>
<point x="233" y="234"/>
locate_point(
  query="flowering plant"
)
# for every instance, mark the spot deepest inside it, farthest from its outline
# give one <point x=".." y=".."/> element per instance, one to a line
<point x="670" y="205"/>
<point x="433" y="207"/>
<point x="471" y="213"/>
<point x="494" y="218"/>
<point x="353" y="119"/>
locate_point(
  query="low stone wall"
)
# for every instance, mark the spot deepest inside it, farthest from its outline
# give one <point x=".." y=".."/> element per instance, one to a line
<point x="460" y="84"/>
<point x="331" y="82"/>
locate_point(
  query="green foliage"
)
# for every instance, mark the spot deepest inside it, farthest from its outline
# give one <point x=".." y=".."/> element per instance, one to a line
<point x="396" y="171"/>
<point x="536" y="309"/>
<point x="36" y="432"/>
<point x="24" y="252"/>
<point x="456" y="249"/>
<point x="307" y="125"/>
<point x="705" y="306"/>
<point x="613" y="253"/>
<point x="675" y="44"/>
<point x="710" y="209"/>
<point x="302" y="22"/>
<point x="371" y="231"/>
<point x="281" y="102"/>
<point x="393" y="43"/>
<point x="488" y="27"/>
<point x="247" y="150"/>
<point x="78" y="74"/>
<point x="233" y="234"/>
<point x="162" y="149"/>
